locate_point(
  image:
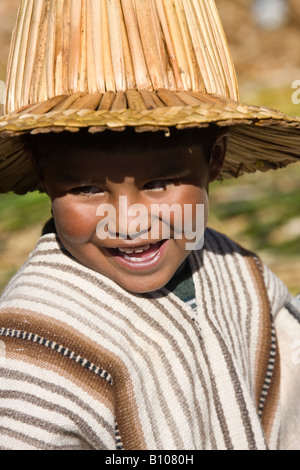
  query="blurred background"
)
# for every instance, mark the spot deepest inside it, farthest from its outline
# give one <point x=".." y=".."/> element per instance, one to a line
<point x="260" y="211"/>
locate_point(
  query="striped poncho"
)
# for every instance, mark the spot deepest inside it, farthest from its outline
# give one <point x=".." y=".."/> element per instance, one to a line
<point x="86" y="365"/>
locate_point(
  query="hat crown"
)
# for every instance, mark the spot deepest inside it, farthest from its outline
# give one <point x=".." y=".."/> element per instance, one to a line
<point x="60" y="47"/>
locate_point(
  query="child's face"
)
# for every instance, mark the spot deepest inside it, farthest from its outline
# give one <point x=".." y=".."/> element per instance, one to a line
<point x="84" y="179"/>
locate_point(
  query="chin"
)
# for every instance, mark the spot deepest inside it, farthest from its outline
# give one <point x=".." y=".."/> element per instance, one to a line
<point x="142" y="289"/>
<point x="143" y="286"/>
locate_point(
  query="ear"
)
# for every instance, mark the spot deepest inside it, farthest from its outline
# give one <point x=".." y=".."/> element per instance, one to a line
<point x="218" y="154"/>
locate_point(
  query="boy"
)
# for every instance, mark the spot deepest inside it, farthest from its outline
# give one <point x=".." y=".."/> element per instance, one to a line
<point x="117" y="336"/>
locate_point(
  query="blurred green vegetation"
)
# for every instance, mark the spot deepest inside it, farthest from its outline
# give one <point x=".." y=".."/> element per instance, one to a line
<point x="21" y="222"/>
<point x="261" y="211"/>
<point x="277" y="97"/>
<point x="20" y="212"/>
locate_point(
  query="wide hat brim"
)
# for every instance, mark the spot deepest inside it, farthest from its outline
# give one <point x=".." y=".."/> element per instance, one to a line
<point x="260" y="138"/>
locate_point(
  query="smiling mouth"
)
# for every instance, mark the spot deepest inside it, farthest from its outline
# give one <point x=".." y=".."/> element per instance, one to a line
<point x="138" y="254"/>
<point x="139" y="257"/>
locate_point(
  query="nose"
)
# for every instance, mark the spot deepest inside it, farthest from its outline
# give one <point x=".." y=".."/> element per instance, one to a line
<point x="133" y="219"/>
<point x="126" y="214"/>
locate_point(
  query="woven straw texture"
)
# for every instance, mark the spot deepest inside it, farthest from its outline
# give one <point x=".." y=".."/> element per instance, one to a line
<point x="147" y="64"/>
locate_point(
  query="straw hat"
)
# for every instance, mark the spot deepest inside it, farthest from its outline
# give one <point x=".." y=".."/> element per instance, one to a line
<point x="148" y="64"/>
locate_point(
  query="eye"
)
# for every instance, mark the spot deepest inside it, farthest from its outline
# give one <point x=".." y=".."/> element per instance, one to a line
<point x="156" y="185"/>
<point x="87" y="190"/>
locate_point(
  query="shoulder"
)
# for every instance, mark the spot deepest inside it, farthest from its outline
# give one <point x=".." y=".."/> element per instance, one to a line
<point x="242" y="263"/>
<point x="220" y="244"/>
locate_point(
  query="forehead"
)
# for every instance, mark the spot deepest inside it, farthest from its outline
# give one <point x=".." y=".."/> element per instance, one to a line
<point x="120" y="161"/>
<point x="119" y="143"/>
<point x="47" y="145"/>
<point x="59" y="147"/>
<point x="120" y="152"/>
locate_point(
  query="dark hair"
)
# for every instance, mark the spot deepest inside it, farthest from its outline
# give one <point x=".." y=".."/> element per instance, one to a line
<point x="44" y="147"/>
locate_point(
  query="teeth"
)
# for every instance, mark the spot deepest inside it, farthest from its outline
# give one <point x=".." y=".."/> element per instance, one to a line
<point x="134" y="250"/>
<point x="131" y="258"/>
<point x="128" y="253"/>
<point x="139" y="260"/>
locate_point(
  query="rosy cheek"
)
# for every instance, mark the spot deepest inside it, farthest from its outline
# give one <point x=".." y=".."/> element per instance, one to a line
<point x="75" y="223"/>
